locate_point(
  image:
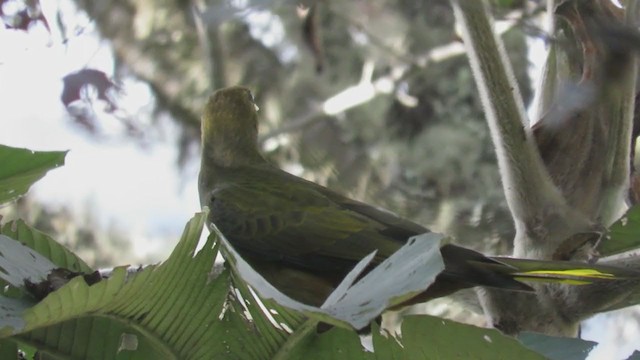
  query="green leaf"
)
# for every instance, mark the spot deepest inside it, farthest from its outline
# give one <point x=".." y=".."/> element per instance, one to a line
<point x="190" y="308"/>
<point x="176" y="310"/>
<point x="8" y="349"/>
<point x="162" y="307"/>
<point x="20" y="168"/>
<point x="45" y="245"/>
<point x="18" y="264"/>
<point x="423" y="337"/>
<point x="407" y="272"/>
<point x="427" y="337"/>
<point x="624" y="234"/>
<point x="452" y="340"/>
<point x="557" y="348"/>
<point x="338" y="343"/>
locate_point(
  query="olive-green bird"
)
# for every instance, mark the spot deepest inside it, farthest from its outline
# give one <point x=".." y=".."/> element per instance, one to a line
<point x="304" y="238"/>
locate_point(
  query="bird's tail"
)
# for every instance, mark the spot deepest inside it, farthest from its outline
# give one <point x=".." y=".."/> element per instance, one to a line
<point x="567" y="272"/>
<point x="465" y="268"/>
<point x="474" y="269"/>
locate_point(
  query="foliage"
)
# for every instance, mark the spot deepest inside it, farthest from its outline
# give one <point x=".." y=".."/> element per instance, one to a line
<point x="189" y="307"/>
<point x="623" y="236"/>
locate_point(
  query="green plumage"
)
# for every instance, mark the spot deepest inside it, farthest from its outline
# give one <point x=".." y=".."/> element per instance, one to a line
<point x="302" y="237"/>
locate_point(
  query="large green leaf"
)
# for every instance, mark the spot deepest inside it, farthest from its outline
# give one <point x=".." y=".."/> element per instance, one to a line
<point x="190" y="308"/>
<point x="45" y="245"/>
<point x="423" y="338"/>
<point x="177" y="310"/>
<point x="85" y="321"/>
<point x="20" y="168"/>
<point x="338" y="343"/>
<point x="435" y="338"/>
<point x="33" y="267"/>
<point x="20" y="263"/>
<point x="163" y="308"/>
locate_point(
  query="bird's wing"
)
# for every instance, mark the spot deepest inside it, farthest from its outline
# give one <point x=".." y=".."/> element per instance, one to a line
<point x="295" y="223"/>
<point x="392" y="225"/>
<point x="389" y="223"/>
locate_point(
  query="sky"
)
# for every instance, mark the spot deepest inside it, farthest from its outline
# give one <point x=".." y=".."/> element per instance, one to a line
<point x="133" y="187"/>
<point x="137" y="188"/>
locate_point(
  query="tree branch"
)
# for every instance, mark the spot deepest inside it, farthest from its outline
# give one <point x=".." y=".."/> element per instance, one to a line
<point x="574" y="173"/>
<point x="541" y="215"/>
<point x="211" y="41"/>
<point x="620" y="101"/>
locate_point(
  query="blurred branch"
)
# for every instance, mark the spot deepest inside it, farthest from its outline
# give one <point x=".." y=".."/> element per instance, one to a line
<point x="548" y="81"/>
<point x="436" y="54"/>
<point x="375" y="40"/>
<point x="115" y="20"/>
<point x="368" y="88"/>
<point x="211" y="41"/>
<point x="299" y="123"/>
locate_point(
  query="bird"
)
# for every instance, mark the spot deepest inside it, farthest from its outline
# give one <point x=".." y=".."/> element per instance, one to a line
<point x="304" y="238"/>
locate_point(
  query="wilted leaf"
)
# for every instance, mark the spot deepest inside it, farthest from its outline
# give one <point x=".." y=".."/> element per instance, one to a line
<point x="407" y="272"/>
<point x="75" y="82"/>
<point x="19" y="263"/>
<point x="45" y="246"/>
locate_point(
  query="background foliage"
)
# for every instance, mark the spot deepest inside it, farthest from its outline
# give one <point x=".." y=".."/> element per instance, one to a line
<point x="418" y="146"/>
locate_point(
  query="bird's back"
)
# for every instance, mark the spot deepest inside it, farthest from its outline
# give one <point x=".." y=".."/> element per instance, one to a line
<point x="262" y="209"/>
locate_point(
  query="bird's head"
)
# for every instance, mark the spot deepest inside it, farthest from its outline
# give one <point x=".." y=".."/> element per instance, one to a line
<point x="230" y="128"/>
